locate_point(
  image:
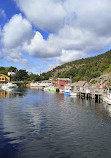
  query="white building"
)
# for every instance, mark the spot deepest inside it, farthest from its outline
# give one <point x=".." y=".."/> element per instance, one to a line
<point x="12" y="74"/>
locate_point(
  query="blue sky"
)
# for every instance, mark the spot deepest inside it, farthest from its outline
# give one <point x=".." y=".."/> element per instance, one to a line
<point x="38" y="35"/>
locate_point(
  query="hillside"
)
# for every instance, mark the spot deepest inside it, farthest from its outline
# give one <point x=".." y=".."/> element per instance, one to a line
<point x="84" y="69"/>
<point x="93" y="69"/>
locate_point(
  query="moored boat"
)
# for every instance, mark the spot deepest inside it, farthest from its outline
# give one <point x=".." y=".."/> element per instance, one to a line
<point x="73" y="94"/>
<point x="61" y="90"/>
<point x="9" y="86"/>
<point x="67" y="92"/>
<point x="107" y="98"/>
<point x="52" y="89"/>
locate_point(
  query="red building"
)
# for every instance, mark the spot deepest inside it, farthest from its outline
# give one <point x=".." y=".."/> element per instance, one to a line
<point x="61" y="82"/>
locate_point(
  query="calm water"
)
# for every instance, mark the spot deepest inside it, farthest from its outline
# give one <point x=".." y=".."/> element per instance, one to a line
<point x="37" y="124"/>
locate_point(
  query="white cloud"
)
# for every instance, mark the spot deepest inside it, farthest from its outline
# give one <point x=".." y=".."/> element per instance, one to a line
<point x="45" y="14"/>
<point x="38" y="47"/>
<point x="68" y="55"/>
<point x="53" y="14"/>
<point x="79" y="28"/>
<point x="14" y="55"/>
<point x="69" y="44"/>
<point x="16" y="31"/>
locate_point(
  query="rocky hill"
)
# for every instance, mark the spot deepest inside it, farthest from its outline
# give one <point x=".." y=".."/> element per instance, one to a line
<point x="89" y="69"/>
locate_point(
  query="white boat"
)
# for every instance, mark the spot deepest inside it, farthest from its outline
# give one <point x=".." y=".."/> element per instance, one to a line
<point x="50" y="88"/>
<point x="107" y="98"/>
<point x="61" y="90"/>
<point x="67" y="91"/>
<point x="73" y="94"/>
<point x="9" y="86"/>
<point x="46" y="88"/>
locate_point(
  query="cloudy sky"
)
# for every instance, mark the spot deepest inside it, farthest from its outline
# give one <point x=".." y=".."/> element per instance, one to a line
<point x="38" y="35"/>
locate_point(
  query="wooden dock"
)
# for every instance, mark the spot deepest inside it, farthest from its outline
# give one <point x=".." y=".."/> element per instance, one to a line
<point x="97" y="96"/>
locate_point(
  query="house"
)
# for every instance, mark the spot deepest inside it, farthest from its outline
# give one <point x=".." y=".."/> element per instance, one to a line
<point x="62" y="82"/>
<point x="44" y="83"/>
<point x="29" y="73"/>
<point x="103" y="86"/>
<point x="81" y="85"/>
<point x="4" y="78"/>
<point x="12" y="74"/>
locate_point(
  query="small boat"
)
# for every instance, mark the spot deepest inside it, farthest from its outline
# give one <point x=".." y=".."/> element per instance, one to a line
<point x="107" y="98"/>
<point x="61" y="90"/>
<point x="46" y="88"/>
<point x="67" y="92"/>
<point x="73" y="94"/>
<point x="52" y="89"/>
<point x="9" y="86"/>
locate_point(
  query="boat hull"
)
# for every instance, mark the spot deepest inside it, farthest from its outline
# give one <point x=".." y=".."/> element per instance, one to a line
<point x="107" y="100"/>
<point x="73" y="94"/>
<point x="52" y="90"/>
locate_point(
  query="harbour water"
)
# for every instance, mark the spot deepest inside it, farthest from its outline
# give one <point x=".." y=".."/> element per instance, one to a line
<point x="38" y="124"/>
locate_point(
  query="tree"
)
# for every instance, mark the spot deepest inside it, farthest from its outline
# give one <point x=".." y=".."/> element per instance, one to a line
<point x="34" y="77"/>
<point x="13" y="69"/>
<point x="21" y="75"/>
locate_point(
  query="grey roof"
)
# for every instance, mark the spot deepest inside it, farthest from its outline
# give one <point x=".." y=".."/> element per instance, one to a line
<point x="80" y="83"/>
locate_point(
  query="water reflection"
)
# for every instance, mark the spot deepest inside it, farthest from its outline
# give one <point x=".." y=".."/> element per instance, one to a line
<point x="12" y="93"/>
<point x="51" y="125"/>
<point x="4" y="94"/>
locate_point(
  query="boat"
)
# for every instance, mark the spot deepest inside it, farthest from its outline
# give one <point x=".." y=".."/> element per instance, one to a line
<point x="9" y="86"/>
<point x="61" y="90"/>
<point x="46" y="88"/>
<point x="52" y="89"/>
<point x="107" y="98"/>
<point x="67" y="91"/>
<point x="73" y="94"/>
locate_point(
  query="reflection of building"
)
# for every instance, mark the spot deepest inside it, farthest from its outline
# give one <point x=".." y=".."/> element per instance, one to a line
<point x="3" y="94"/>
<point x="4" y="78"/>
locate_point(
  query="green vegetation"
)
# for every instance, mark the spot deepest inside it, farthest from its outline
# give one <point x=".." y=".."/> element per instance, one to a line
<point x="86" y="69"/>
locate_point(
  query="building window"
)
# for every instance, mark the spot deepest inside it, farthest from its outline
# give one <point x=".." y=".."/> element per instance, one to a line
<point x="2" y="79"/>
<point x="62" y="85"/>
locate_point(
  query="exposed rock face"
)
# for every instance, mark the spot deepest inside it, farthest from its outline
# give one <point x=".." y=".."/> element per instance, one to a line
<point x="103" y="79"/>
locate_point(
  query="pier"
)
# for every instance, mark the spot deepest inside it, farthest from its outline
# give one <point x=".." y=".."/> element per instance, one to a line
<point x="95" y="96"/>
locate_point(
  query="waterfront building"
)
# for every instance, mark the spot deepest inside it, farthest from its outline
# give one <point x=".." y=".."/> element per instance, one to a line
<point x="81" y="85"/>
<point x="12" y="74"/>
<point x="43" y="84"/>
<point x="62" y="82"/>
<point x="4" y="78"/>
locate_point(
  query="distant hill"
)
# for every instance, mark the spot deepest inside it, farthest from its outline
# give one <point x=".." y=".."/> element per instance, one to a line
<point x="84" y="69"/>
